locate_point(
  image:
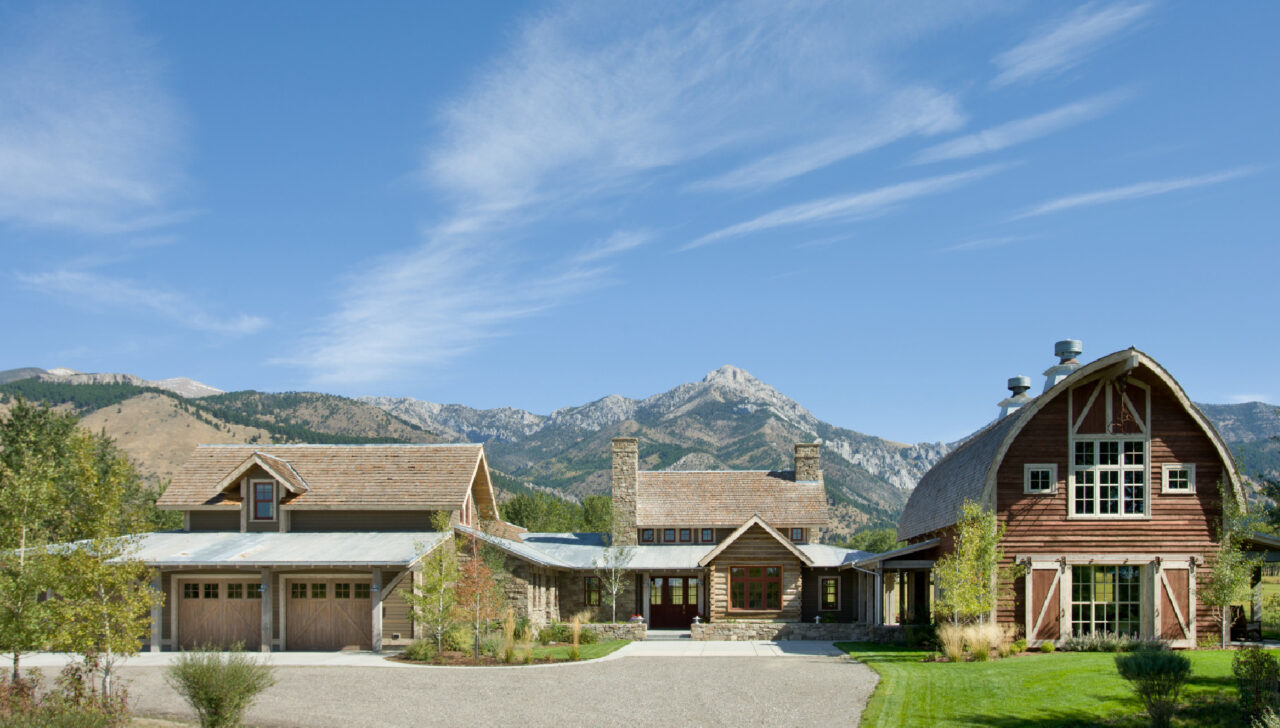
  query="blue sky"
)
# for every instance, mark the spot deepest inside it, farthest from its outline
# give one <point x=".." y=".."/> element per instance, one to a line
<point x="882" y="209"/>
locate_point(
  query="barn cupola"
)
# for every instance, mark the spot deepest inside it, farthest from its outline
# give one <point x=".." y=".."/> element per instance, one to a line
<point x="1067" y="351"/>
<point x="1018" y="386"/>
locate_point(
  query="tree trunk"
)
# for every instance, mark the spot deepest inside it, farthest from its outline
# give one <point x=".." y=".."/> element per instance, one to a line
<point x="1225" y="626"/>
<point x="17" y="658"/>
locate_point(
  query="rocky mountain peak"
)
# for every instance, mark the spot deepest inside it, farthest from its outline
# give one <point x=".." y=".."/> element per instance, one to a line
<point x="729" y="375"/>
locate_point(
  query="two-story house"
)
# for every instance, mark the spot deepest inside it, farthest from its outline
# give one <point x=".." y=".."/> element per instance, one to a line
<point x="1109" y="484"/>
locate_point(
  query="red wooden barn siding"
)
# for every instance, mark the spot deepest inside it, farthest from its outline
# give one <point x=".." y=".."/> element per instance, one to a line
<point x="1179" y="524"/>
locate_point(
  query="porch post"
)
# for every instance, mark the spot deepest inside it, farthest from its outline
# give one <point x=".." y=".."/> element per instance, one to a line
<point x="265" y="605"/>
<point x="1255" y="607"/>
<point x="157" y="612"/>
<point x="644" y="597"/>
<point x="878" y="616"/>
<point x="375" y="600"/>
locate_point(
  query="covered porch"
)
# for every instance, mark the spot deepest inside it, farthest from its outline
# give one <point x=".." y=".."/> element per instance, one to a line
<point x="896" y="587"/>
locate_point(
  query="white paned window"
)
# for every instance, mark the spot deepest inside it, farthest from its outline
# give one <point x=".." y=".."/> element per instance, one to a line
<point x="1109" y="478"/>
<point x="1040" y="478"/>
<point x="1178" y="477"/>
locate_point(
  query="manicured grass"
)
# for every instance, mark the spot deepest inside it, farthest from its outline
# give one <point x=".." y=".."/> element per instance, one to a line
<point x="585" y="652"/>
<point x="1059" y="689"/>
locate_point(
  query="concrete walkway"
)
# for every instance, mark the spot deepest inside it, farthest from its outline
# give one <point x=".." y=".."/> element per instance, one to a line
<point x="647" y="648"/>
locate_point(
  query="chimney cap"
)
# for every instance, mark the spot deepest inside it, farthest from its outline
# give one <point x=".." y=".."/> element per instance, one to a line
<point x="1019" y="384"/>
<point x="1068" y="349"/>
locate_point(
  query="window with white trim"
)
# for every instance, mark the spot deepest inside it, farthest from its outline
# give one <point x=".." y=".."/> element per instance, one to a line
<point x="1040" y="478"/>
<point x="1178" y="478"/>
<point x="1109" y="478"/>
<point x="1106" y="599"/>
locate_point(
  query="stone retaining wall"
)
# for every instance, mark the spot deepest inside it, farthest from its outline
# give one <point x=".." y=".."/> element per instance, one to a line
<point x="774" y="631"/>
<point x="622" y="631"/>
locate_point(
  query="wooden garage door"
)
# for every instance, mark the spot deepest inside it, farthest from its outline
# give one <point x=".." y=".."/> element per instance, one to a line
<point x="219" y="613"/>
<point x="328" y="614"/>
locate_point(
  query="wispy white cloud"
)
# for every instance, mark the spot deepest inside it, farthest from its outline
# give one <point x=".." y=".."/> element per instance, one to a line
<point x="986" y="243"/>
<point x="1064" y="44"/>
<point x="591" y="107"/>
<point x="89" y="140"/>
<point x="912" y="112"/>
<point x="1019" y="131"/>
<point x="846" y="207"/>
<point x="426" y="308"/>
<point x="1245" y="398"/>
<point x="1133" y="192"/>
<point x="616" y="244"/>
<point x="96" y="291"/>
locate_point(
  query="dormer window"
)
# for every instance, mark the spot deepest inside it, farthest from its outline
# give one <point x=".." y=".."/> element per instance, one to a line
<point x="264" y="500"/>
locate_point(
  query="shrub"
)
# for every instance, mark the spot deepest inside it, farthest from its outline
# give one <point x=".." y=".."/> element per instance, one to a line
<point x="918" y="635"/>
<point x="420" y="650"/>
<point x="1047" y="647"/>
<point x="1258" y="676"/>
<point x="1018" y="647"/>
<point x="457" y="639"/>
<point x="72" y="703"/>
<point x="1156" y="677"/>
<point x="219" y="686"/>
<point x="563" y="632"/>
<point x="951" y="641"/>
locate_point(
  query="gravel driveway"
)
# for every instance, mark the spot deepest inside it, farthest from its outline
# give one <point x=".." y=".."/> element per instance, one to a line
<point x="703" y="691"/>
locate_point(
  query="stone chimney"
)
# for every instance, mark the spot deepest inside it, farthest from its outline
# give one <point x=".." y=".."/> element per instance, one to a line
<point x="626" y="467"/>
<point x="1018" y="386"/>
<point x="1066" y="350"/>
<point x="808" y="466"/>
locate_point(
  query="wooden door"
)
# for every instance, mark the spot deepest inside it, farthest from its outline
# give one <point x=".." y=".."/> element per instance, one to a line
<point x="673" y="601"/>
<point x="328" y="614"/>
<point x="219" y="613"/>
<point x="1044" y="602"/>
<point x="1173" y="585"/>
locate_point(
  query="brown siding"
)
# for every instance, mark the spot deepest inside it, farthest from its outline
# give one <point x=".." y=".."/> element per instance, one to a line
<point x="810" y="595"/>
<point x="228" y="520"/>
<point x="1179" y="524"/>
<point x="360" y="520"/>
<point x="396" y="617"/>
<point x="755" y="547"/>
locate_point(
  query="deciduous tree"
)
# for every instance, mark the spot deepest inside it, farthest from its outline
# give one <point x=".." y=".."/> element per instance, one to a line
<point x="434" y="599"/>
<point x="479" y="589"/>
<point x="970" y="578"/>
<point x="1227" y="579"/>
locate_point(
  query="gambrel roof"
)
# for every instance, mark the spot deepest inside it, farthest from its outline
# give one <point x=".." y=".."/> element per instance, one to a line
<point x="969" y="471"/>
<point x="333" y="477"/>
<point x="727" y="498"/>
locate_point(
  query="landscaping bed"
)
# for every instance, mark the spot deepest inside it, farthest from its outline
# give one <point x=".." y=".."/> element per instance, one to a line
<point x="1059" y="689"/>
<point x="542" y="655"/>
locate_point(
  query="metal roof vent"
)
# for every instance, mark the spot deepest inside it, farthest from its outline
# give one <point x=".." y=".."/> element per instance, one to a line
<point x="1019" y="386"/>
<point x="1066" y="350"/>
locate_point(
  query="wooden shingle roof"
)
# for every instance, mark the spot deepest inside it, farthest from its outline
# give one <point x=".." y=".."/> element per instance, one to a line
<point x="727" y="498"/>
<point x="338" y="477"/>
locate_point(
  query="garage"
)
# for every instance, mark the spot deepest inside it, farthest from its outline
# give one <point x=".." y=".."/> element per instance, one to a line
<point x="328" y="614"/>
<point x="219" y="613"/>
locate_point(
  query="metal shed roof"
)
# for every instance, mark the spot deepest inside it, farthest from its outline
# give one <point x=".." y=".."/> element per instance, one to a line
<point x="257" y="550"/>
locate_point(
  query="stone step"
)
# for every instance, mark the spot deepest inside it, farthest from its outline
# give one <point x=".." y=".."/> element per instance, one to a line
<point x="668" y="634"/>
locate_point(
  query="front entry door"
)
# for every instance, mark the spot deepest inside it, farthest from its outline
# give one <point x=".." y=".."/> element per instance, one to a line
<point x="673" y="601"/>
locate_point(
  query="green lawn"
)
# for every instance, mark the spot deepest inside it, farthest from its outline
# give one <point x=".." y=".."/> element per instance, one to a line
<point x="1059" y="689"/>
<point x="586" y="652"/>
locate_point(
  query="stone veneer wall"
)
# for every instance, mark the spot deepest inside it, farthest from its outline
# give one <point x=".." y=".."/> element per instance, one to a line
<point x="774" y="631"/>
<point x="620" y="631"/>
<point x="626" y="466"/>
<point x="573" y="598"/>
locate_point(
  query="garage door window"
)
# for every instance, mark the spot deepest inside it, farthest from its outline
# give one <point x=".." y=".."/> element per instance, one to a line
<point x="318" y="591"/>
<point x="362" y="591"/>
<point x="190" y="591"/>
<point x="210" y="591"/>
<point x="235" y="591"/>
<point x="297" y="591"/>
<point x="342" y="591"/>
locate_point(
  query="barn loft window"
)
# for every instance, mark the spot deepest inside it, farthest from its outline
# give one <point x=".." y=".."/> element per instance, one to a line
<point x="1040" y="478"/>
<point x="1106" y="599"/>
<point x="1178" y="477"/>
<point x="754" y="588"/>
<point x="264" y="500"/>
<point x="1109" y="478"/>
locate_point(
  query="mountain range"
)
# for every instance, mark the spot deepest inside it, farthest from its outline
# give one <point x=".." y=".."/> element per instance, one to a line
<point x="727" y="420"/>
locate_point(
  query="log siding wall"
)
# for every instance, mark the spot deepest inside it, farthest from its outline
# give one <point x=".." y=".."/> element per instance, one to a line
<point x="755" y="547"/>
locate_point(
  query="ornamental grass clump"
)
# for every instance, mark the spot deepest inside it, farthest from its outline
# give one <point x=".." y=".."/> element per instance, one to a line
<point x="1156" y="677"/>
<point x="574" y="653"/>
<point x="509" y="638"/>
<point x="420" y="651"/>
<point x="951" y="641"/>
<point x="219" y="686"/>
